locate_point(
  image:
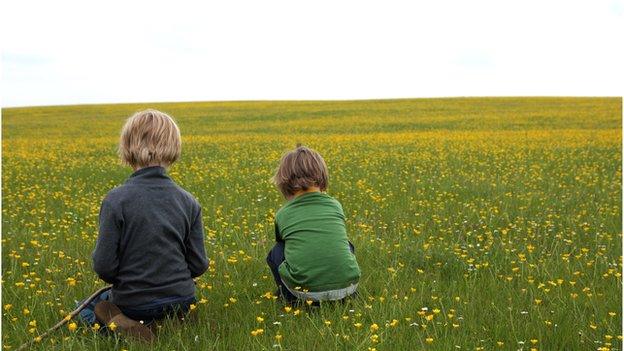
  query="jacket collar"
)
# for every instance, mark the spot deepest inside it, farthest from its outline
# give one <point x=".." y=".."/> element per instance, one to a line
<point x="156" y="172"/>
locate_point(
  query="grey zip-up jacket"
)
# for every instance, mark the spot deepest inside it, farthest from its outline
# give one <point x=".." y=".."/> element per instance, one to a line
<point x="151" y="240"/>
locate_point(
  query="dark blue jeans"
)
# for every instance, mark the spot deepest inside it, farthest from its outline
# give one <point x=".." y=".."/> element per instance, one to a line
<point x="157" y="309"/>
<point x="274" y="259"/>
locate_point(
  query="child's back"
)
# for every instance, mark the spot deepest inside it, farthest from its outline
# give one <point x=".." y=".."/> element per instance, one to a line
<point x="318" y="256"/>
<point x="151" y="240"/>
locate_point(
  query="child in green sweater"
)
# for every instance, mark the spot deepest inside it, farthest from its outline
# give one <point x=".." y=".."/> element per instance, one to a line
<point x="312" y="259"/>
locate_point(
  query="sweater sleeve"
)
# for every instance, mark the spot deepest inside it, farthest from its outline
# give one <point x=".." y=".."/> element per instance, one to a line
<point x="195" y="251"/>
<point x="106" y="253"/>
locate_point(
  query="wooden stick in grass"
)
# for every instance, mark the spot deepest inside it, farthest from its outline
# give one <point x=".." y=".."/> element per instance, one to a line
<point x="66" y="319"/>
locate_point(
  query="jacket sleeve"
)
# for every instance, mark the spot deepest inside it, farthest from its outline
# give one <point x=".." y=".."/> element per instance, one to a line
<point x="195" y="251"/>
<point x="106" y="253"/>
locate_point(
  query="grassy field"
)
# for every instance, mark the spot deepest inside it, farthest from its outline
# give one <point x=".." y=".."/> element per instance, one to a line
<point x="479" y="223"/>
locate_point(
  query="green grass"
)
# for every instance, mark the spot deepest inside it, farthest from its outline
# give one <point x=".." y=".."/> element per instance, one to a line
<point x="475" y="220"/>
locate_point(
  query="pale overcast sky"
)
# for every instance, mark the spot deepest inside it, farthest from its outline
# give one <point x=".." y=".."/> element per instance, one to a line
<point x="69" y="52"/>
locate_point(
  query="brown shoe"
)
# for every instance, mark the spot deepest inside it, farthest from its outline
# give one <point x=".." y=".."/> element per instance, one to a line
<point x="107" y="313"/>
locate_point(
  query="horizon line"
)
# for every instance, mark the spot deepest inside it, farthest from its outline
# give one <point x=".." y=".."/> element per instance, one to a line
<point x="318" y="100"/>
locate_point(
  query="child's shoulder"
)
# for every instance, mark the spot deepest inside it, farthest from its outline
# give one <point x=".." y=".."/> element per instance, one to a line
<point x="299" y="204"/>
<point x="186" y="194"/>
<point x="115" y="194"/>
<point x="331" y="198"/>
<point x="328" y="199"/>
<point x="128" y="192"/>
<point x="335" y="202"/>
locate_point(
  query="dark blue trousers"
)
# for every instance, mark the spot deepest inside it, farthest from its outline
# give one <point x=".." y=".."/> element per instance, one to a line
<point x="155" y="310"/>
<point x="274" y="259"/>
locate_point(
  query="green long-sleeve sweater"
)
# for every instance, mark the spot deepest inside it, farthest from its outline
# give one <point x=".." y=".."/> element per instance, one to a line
<point x="317" y="253"/>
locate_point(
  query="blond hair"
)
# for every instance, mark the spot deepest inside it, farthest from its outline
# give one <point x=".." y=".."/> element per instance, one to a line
<point x="150" y="138"/>
<point x="299" y="170"/>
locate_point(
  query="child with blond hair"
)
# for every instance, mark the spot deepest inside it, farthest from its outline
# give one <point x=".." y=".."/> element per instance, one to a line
<point x="312" y="259"/>
<point x="151" y="239"/>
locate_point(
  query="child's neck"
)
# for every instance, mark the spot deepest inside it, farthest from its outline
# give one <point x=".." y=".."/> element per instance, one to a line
<point x="311" y="189"/>
<point x="150" y="165"/>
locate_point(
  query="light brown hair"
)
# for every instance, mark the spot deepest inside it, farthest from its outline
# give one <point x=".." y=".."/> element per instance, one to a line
<point x="150" y="138"/>
<point x="299" y="170"/>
